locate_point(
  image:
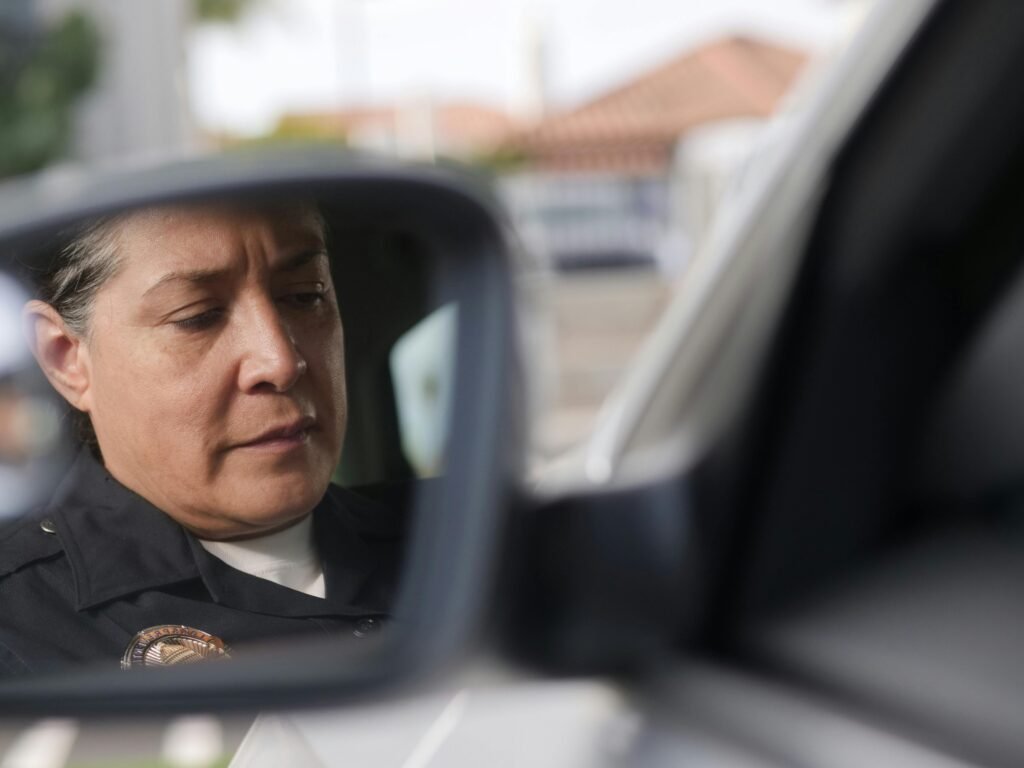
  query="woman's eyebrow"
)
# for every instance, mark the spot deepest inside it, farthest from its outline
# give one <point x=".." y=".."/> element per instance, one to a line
<point x="301" y="259"/>
<point x="204" y="276"/>
<point x="195" y="276"/>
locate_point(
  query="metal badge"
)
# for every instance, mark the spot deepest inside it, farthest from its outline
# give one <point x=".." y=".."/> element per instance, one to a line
<point x="169" y="644"/>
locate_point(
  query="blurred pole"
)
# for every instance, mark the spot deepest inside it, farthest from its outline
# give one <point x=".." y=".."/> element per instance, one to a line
<point x="138" y="105"/>
<point x="44" y="744"/>
<point x="352" y="51"/>
<point x="193" y="741"/>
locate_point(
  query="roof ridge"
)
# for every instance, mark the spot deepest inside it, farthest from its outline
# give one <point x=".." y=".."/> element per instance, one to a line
<point x="695" y="53"/>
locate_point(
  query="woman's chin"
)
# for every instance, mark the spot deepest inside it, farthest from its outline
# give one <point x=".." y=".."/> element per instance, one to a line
<point x="265" y="505"/>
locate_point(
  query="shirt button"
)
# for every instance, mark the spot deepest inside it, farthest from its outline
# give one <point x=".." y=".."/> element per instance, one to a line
<point x="47" y="526"/>
<point x="365" y="627"/>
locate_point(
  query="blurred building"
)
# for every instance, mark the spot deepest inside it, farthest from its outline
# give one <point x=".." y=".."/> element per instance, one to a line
<point x="634" y="128"/>
<point x="16" y="17"/>
<point x="600" y="184"/>
<point x="139" y="104"/>
<point x="417" y="129"/>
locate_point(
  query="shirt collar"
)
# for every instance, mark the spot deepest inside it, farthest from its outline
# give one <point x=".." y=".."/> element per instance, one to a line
<point x="118" y="544"/>
<point x="352" y="573"/>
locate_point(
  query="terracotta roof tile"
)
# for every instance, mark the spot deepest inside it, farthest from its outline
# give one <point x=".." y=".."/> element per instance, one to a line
<point x="635" y="126"/>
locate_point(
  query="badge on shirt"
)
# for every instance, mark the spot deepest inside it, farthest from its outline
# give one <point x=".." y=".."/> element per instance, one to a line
<point x="169" y="644"/>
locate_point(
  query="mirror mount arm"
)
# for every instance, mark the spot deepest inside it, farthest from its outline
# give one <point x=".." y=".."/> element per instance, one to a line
<point x="600" y="582"/>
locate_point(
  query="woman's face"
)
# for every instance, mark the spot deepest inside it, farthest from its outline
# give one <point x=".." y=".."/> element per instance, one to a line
<point x="215" y="367"/>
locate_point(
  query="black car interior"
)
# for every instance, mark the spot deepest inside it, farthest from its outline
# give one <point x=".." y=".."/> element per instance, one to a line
<point x="874" y="549"/>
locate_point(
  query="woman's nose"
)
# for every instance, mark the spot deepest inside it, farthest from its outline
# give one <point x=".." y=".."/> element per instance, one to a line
<point x="271" y="359"/>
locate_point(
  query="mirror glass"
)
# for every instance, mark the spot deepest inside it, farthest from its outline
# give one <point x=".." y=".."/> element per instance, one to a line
<point x="216" y="419"/>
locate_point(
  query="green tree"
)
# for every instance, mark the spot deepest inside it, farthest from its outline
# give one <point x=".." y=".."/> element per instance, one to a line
<point x="221" y="10"/>
<point x="40" y="81"/>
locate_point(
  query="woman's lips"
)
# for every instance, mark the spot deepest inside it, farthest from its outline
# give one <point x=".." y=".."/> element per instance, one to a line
<point x="282" y="438"/>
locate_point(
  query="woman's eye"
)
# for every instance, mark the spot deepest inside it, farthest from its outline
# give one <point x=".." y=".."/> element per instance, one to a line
<point x="199" y="322"/>
<point x="303" y="299"/>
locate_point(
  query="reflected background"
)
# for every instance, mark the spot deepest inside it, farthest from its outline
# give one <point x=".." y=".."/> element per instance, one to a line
<point x="31" y="451"/>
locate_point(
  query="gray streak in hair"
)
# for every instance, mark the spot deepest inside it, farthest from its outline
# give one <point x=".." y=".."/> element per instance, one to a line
<point x="81" y="269"/>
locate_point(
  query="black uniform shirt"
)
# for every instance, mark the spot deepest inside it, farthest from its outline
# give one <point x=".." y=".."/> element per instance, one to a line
<point x="80" y="578"/>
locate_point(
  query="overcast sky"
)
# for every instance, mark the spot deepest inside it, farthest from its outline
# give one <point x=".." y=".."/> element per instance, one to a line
<point x="317" y="54"/>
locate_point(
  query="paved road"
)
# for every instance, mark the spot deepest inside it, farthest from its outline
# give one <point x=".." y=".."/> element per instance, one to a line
<point x="600" y="319"/>
<point x="479" y="720"/>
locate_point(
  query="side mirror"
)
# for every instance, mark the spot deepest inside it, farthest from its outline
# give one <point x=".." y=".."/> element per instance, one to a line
<point x="207" y="338"/>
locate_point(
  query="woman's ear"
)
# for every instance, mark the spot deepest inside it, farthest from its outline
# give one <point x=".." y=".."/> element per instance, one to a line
<point x="61" y="354"/>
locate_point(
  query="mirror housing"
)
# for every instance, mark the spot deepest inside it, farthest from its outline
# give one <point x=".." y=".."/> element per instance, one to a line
<point x="453" y="531"/>
<point x="602" y="581"/>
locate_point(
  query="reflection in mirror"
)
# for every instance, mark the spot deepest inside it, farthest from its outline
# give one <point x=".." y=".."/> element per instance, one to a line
<point x="254" y="391"/>
<point x="30" y="455"/>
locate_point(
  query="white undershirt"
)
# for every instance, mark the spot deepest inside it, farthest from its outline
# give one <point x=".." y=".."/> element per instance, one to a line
<point x="288" y="557"/>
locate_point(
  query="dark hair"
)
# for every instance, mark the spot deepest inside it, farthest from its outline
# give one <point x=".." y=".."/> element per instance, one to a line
<point x="81" y="267"/>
